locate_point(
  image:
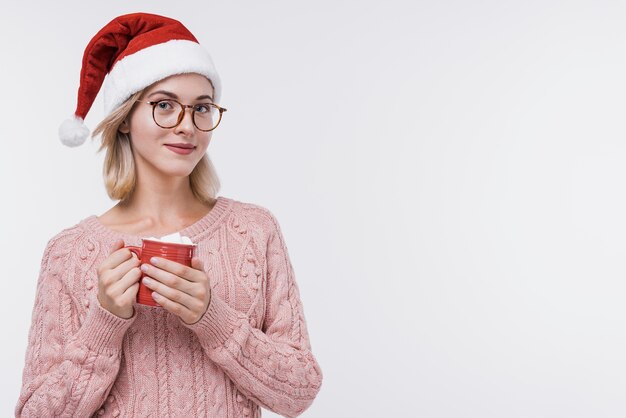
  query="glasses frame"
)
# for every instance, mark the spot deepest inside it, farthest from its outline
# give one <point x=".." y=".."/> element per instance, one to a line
<point x="181" y="114"/>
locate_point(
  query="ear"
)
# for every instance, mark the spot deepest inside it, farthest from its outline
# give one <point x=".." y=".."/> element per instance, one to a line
<point x="124" y="128"/>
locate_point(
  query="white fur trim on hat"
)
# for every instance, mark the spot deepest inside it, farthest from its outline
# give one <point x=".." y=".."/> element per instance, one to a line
<point x="154" y="63"/>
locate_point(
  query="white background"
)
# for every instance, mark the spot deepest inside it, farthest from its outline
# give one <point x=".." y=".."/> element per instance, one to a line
<point x="448" y="176"/>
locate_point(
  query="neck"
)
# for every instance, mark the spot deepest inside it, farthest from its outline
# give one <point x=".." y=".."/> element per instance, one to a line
<point x="163" y="205"/>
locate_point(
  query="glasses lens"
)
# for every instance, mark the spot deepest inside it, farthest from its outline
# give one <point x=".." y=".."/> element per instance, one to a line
<point x="166" y="113"/>
<point x="206" y="116"/>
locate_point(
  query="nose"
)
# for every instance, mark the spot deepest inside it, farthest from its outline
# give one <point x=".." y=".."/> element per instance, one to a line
<point x="186" y="125"/>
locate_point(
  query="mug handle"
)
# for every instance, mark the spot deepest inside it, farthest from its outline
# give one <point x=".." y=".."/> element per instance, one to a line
<point x="135" y="250"/>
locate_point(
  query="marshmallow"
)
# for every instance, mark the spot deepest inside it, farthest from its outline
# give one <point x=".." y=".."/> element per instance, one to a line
<point x="175" y="238"/>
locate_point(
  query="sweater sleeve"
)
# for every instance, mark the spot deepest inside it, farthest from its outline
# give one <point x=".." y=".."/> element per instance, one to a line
<point x="272" y="366"/>
<point x="68" y="371"/>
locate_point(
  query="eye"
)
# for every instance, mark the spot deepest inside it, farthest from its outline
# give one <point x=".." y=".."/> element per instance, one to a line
<point x="164" y="105"/>
<point x="202" y="108"/>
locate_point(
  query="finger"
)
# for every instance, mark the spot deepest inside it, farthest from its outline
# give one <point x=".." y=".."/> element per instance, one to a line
<point x="130" y="278"/>
<point x="125" y="266"/>
<point x="168" y="279"/>
<point x="117" y="244"/>
<point x="116" y="258"/>
<point x="197" y="264"/>
<point x="174" y="295"/>
<point x="132" y="291"/>
<point x="107" y="263"/>
<point x="172" y="306"/>
<point x="112" y="276"/>
<point x="178" y="269"/>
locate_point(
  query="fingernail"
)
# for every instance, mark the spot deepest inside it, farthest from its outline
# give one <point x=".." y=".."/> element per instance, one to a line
<point x="146" y="281"/>
<point x="144" y="267"/>
<point x="154" y="260"/>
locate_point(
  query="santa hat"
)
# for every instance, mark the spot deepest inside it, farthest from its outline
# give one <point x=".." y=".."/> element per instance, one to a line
<point x="132" y="52"/>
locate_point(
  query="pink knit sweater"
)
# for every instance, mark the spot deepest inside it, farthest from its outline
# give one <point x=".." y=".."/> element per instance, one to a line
<point x="250" y="349"/>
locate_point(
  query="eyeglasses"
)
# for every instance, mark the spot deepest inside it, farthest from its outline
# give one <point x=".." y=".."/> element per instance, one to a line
<point x="169" y="113"/>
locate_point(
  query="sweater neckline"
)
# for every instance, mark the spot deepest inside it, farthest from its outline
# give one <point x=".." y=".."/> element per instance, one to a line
<point x="192" y="231"/>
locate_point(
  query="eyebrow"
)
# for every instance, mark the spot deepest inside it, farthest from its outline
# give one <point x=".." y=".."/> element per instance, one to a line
<point x="172" y="95"/>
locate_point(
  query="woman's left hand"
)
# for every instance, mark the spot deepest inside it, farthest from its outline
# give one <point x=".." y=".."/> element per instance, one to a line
<point x="182" y="290"/>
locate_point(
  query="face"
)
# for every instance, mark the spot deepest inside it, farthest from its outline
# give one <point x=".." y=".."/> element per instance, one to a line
<point x="149" y="141"/>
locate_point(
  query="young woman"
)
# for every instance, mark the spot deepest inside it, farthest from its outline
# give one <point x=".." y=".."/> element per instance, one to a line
<point x="229" y="333"/>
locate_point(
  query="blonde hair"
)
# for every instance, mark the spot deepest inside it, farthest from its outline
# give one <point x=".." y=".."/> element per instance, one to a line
<point x="119" y="164"/>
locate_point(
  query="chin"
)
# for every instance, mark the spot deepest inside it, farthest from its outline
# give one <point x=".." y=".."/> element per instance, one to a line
<point x="180" y="173"/>
<point x="177" y="170"/>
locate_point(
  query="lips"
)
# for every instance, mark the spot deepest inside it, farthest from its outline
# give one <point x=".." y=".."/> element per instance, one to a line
<point x="179" y="150"/>
<point x="181" y="145"/>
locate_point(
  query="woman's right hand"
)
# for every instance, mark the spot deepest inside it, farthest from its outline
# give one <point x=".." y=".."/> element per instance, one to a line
<point x="118" y="281"/>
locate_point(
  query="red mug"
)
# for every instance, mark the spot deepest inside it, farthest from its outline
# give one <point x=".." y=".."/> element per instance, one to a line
<point x="181" y="253"/>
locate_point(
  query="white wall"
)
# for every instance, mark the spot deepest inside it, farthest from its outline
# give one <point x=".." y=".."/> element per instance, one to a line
<point x="448" y="176"/>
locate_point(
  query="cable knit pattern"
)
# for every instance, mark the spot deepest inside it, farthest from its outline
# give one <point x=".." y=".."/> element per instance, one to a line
<point x="250" y="348"/>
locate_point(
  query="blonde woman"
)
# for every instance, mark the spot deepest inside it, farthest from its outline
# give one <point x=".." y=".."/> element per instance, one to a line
<point x="228" y="334"/>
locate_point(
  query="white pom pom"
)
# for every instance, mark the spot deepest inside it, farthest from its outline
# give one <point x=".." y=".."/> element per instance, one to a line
<point x="73" y="132"/>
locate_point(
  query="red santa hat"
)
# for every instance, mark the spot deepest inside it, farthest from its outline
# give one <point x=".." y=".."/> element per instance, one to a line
<point x="132" y="52"/>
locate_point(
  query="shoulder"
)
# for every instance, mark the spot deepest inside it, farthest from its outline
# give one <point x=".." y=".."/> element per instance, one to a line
<point x="252" y="212"/>
<point x="65" y="239"/>
<point x="260" y="221"/>
<point x="66" y="242"/>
